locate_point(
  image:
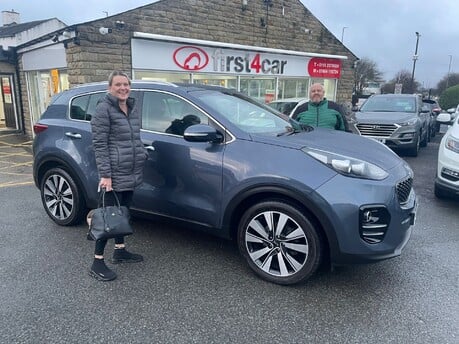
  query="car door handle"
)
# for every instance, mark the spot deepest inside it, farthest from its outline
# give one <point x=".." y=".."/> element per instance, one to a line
<point x="150" y="148"/>
<point x="73" y="135"/>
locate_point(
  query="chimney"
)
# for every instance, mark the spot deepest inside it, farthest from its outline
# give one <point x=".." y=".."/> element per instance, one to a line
<point x="10" y="17"/>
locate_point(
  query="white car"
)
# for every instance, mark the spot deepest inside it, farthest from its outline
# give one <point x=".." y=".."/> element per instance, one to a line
<point x="288" y="105"/>
<point x="447" y="179"/>
<point x="454" y="112"/>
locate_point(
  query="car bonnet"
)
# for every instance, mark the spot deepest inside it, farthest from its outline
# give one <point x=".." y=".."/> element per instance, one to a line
<point x="339" y="142"/>
<point x="384" y="117"/>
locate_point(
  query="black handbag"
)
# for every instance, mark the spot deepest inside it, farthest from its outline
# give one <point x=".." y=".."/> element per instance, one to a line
<point x="108" y="222"/>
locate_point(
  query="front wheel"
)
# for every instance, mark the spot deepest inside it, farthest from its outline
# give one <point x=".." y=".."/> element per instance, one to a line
<point x="61" y="198"/>
<point x="414" y="151"/>
<point x="425" y="139"/>
<point x="279" y="242"/>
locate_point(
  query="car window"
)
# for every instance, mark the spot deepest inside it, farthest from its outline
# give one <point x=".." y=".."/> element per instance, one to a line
<point x="284" y="107"/>
<point x="83" y="107"/>
<point x="248" y="115"/>
<point x="390" y="104"/>
<point x="170" y="114"/>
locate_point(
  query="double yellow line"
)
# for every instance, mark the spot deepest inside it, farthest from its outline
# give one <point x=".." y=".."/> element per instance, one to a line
<point x="12" y="165"/>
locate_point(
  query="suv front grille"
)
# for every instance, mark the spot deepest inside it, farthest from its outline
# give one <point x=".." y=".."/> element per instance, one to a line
<point x="381" y="130"/>
<point x="404" y="190"/>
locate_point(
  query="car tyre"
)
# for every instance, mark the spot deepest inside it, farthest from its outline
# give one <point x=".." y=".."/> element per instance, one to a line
<point x="61" y="197"/>
<point x="425" y="139"/>
<point x="415" y="150"/>
<point x="279" y="242"/>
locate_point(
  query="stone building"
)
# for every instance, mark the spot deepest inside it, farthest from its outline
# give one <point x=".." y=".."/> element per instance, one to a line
<point x="12" y="34"/>
<point x="268" y="49"/>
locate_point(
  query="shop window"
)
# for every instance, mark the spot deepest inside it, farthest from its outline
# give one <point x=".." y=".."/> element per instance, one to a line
<point x="161" y="76"/>
<point x="42" y="86"/>
<point x="216" y="80"/>
<point x="262" y="89"/>
<point x="293" y="88"/>
<point x="329" y="85"/>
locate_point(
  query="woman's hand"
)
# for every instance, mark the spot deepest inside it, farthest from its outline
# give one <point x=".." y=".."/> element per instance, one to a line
<point x="106" y="183"/>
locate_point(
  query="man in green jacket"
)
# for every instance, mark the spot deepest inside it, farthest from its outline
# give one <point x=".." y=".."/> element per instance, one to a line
<point x="320" y="112"/>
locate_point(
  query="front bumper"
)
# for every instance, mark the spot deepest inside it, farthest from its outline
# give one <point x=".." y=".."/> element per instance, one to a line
<point x="351" y="245"/>
<point x="446" y="187"/>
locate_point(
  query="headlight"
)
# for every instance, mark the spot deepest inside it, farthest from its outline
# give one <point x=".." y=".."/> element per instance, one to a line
<point x="409" y="122"/>
<point x="452" y="143"/>
<point x="348" y="166"/>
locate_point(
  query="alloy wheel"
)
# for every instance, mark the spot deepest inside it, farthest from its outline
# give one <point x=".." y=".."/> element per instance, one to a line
<point x="276" y="243"/>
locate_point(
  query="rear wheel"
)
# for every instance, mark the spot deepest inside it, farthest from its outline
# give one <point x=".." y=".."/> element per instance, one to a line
<point x="279" y="242"/>
<point x="61" y="198"/>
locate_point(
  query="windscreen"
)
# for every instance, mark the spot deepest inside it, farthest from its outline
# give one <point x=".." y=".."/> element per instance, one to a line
<point x="389" y="104"/>
<point x="245" y="113"/>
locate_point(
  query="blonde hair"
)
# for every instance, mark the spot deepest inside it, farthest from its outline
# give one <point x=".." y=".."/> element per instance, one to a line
<point x="117" y="73"/>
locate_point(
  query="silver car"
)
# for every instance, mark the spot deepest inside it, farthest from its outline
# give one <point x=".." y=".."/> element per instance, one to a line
<point x="401" y="121"/>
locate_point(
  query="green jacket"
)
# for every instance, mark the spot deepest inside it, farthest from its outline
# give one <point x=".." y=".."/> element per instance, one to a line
<point x="326" y="114"/>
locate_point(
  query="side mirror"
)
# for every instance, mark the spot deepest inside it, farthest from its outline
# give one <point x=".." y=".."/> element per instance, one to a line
<point x="444" y="118"/>
<point x="202" y="133"/>
<point x="451" y="110"/>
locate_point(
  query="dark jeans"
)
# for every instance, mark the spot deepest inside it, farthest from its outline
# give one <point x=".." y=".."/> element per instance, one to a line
<point x="125" y="198"/>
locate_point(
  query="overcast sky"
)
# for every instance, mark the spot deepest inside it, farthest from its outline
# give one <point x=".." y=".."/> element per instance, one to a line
<point x="382" y="30"/>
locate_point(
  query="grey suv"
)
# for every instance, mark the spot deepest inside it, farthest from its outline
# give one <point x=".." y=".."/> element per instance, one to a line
<point x="291" y="197"/>
<point x="401" y="121"/>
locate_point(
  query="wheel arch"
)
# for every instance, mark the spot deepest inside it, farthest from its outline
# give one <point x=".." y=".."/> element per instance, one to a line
<point x="308" y="207"/>
<point x="57" y="162"/>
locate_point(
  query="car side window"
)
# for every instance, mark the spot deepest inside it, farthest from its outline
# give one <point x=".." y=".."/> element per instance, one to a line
<point x="82" y="108"/>
<point x="169" y="114"/>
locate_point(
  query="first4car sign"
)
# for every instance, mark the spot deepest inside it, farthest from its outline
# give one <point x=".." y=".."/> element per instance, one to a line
<point x="199" y="58"/>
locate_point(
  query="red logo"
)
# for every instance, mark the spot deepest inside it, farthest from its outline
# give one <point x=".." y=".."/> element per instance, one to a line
<point x="190" y="58"/>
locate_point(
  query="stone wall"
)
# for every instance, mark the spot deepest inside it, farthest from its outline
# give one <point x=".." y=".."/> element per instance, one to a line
<point x="289" y="27"/>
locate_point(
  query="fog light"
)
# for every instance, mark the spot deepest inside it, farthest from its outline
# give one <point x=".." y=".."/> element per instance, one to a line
<point x="450" y="174"/>
<point x="374" y="221"/>
<point x="408" y="135"/>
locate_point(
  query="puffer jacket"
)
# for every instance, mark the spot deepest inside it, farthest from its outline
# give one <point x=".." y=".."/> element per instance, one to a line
<point x="326" y="114"/>
<point x="119" y="152"/>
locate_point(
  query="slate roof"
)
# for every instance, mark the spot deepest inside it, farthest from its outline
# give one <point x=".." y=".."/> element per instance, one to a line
<point x="13" y="29"/>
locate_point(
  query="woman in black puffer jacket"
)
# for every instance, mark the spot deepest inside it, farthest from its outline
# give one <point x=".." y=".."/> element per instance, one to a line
<point x="120" y="157"/>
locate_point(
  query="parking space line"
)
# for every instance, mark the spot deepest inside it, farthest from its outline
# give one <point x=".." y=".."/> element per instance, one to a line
<point x="11" y="184"/>
<point x="11" y="165"/>
<point x="14" y="154"/>
<point x="15" y="174"/>
<point x="22" y="144"/>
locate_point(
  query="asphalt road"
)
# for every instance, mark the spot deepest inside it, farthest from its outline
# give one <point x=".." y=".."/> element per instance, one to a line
<point x="194" y="288"/>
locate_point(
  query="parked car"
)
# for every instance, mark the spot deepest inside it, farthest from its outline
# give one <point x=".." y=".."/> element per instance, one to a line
<point x="447" y="178"/>
<point x="292" y="198"/>
<point x="287" y="106"/>
<point x="435" y="110"/>
<point x="454" y="112"/>
<point x="400" y="121"/>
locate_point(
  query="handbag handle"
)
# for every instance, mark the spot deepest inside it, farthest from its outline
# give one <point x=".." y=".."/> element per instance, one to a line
<point x="102" y="198"/>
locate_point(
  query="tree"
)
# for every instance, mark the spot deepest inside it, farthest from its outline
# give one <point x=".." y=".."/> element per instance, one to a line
<point x="365" y="71"/>
<point x="403" y="77"/>
<point x="449" y="98"/>
<point x="446" y="82"/>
